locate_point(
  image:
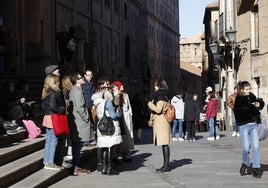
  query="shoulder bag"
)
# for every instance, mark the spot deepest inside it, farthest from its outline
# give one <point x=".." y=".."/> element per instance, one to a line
<point x="105" y="124"/>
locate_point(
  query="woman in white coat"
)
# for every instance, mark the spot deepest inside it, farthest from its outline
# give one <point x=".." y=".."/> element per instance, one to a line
<point x="106" y="143"/>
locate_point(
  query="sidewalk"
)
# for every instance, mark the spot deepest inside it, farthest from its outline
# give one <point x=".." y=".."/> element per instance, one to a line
<point x="194" y="164"/>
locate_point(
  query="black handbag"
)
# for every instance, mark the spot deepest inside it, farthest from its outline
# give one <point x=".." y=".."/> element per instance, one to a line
<point x="105" y="124"/>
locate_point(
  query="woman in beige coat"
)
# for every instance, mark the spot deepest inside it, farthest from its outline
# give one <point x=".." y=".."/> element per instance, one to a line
<point x="161" y="127"/>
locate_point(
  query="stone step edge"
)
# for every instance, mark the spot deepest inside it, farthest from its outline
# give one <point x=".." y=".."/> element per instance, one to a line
<point x="20" y="149"/>
<point x="43" y="181"/>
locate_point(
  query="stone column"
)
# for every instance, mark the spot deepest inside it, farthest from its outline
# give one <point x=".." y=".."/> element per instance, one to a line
<point x="79" y="37"/>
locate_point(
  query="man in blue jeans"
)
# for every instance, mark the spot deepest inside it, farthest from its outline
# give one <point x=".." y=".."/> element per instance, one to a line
<point x="178" y="104"/>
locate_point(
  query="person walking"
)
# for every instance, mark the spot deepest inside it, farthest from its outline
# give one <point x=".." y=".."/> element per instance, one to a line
<point x="103" y="100"/>
<point x="211" y="113"/>
<point x="247" y="115"/>
<point x="81" y="131"/>
<point x="161" y="127"/>
<point x="178" y="104"/>
<point x="230" y="103"/>
<point x="52" y="103"/>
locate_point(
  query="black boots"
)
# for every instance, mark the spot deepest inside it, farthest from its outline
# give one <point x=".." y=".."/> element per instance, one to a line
<point x="243" y="169"/>
<point x="256" y="173"/>
<point x="166" y="154"/>
<point x="107" y="168"/>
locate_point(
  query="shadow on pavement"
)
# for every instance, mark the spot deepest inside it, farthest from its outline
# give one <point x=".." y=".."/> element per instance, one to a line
<point x="178" y="163"/>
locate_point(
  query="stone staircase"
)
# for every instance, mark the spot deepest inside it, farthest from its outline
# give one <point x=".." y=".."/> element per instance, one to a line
<point x="21" y="162"/>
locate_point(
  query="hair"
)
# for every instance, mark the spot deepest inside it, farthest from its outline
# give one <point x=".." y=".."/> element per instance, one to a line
<point x="74" y="77"/>
<point x="241" y="85"/>
<point x="66" y="84"/>
<point x="101" y="82"/>
<point x="50" y="83"/>
<point x="212" y="95"/>
<point x="161" y="84"/>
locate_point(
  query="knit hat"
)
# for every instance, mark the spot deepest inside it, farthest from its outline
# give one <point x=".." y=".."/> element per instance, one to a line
<point x="118" y="84"/>
<point x="50" y="68"/>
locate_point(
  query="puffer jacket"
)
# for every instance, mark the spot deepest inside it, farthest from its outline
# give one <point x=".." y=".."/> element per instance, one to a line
<point x="99" y="100"/>
<point x="178" y="103"/>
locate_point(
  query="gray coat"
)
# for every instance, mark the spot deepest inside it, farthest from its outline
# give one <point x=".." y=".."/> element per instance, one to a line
<point x="81" y="129"/>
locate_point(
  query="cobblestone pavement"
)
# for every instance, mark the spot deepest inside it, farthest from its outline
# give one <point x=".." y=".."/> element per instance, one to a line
<point x="194" y="164"/>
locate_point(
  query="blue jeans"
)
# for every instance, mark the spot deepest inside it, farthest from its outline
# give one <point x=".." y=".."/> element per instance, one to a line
<point x="235" y="127"/>
<point x="249" y="139"/>
<point x="212" y="126"/>
<point x="50" y="146"/>
<point x="177" y="123"/>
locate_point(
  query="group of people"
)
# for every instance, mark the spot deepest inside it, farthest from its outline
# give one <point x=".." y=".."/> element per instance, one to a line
<point x="76" y="96"/>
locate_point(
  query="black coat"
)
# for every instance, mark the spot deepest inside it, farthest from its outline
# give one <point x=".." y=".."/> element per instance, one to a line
<point x="53" y="103"/>
<point x="244" y="109"/>
<point x="190" y="110"/>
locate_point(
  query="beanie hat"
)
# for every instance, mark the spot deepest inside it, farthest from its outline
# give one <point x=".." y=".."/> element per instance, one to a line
<point x="118" y="84"/>
<point x="50" y="68"/>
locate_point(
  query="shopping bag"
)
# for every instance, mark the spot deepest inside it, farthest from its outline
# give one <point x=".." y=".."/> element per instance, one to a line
<point x="32" y="129"/>
<point x="60" y="124"/>
<point x="263" y="129"/>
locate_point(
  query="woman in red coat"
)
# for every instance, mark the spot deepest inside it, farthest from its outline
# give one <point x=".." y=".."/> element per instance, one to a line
<point x="211" y="113"/>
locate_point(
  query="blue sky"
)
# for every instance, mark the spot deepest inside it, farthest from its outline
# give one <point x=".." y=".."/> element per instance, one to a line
<point x="191" y="16"/>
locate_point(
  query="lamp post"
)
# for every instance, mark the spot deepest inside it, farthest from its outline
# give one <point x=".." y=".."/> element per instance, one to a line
<point x="231" y="35"/>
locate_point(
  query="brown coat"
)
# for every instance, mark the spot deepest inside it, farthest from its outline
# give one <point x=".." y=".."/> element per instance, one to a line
<point x="161" y="127"/>
<point x="231" y="100"/>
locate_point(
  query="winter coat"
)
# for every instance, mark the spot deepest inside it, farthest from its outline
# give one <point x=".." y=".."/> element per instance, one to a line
<point x="88" y="91"/>
<point x="190" y="110"/>
<point x="178" y="104"/>
<point x="127" y="114"/>
<point x="99" y="101"/>
<point x="244" y="109"/>
<point x="212" y="108"/>
<point x="161" y="127"/>
<point x="80" y="125"/>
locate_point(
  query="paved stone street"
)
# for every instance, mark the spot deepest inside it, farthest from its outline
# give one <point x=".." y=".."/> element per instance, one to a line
<point x="194" y="164"/>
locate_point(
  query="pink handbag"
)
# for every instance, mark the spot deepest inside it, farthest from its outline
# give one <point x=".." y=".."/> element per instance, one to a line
<point x="32" y="129"/>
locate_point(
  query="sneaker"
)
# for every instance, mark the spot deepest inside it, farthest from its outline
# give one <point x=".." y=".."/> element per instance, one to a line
<point x="193" y="139"/>
<point x="11" y="132"/>
<point x="217" y="137"/>
<point x="234" y="134"/>
<point x="237" y="134"/>
<point x="174" y="139"/>
<point x="53" y="167"/>
<point x="67" y="165"/>
<point x="68" y="158"/>
<point x="211" y="138"/>
<point x="81" y="171"/>
<point x="180" y="139"/>
<point x="10" y="125"/>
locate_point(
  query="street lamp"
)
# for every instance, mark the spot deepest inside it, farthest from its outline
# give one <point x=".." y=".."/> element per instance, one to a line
<point x="231" y="35"/>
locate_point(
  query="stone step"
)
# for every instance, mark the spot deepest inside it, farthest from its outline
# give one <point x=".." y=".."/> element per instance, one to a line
<point x="7" y="139"/>
<point x="45" y="178"/>
<point x="21" y="148"/>
<point x="20" y="168"/>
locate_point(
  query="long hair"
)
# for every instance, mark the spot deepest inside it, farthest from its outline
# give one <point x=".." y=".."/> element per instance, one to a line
<point x="51" y="82"/>
<point x="241" y="85"/>
<point x="162" y="84"/>
<point x="66" y="84"/>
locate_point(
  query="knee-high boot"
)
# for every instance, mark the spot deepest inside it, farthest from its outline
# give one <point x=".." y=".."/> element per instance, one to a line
<point x="110" y="169"/>
<point x="166" y="155"/>
<point x="99" y="158"/>
<point x="104" y="161"/>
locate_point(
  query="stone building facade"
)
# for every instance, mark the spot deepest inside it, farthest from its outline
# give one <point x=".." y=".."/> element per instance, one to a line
<point x="249" y="21"/>
<point x="131" y="40"/>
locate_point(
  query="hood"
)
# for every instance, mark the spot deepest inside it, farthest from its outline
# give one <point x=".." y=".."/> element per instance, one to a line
<point x="99" y="97"/>
<point x="176" y="99"/>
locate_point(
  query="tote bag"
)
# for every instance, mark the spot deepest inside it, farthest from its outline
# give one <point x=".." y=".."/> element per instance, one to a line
<point x="32" y="129"/>
<point x="60" y="124"/>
